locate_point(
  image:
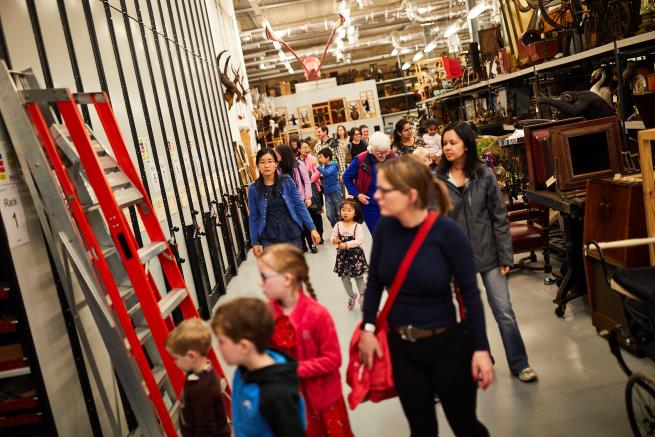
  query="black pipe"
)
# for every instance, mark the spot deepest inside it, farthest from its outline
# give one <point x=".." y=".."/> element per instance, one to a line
<point x="72" y="56"/>
<point x="40" y="46"/>
<point x="4" y="51"/>
<point x="146" y="112"/>
<point x="95" y="47"/>
<point x="218" y="123"/>
<point x="201" y="92"/>
<point x="229" y="238"/>
<point x="223" y="109"/>
<point x="206" y="286"/>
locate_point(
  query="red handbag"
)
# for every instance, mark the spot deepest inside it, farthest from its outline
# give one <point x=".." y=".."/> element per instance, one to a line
<point x="377" y="384"/>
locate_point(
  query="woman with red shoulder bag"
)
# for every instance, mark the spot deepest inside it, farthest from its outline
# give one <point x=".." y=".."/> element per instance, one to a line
<point x="436" y="336"/>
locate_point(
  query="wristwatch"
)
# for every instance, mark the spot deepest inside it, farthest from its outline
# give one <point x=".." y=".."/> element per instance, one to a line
<point x="369" y="327"/>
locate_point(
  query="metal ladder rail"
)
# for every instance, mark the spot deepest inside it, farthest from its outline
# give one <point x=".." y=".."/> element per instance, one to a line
<point x="102" y="267"/>
<point x="55" y="220"/>
<point x="168" y="264"/>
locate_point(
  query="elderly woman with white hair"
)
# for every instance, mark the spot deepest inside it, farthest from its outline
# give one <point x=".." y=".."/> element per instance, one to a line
<point x="360" y="177"/>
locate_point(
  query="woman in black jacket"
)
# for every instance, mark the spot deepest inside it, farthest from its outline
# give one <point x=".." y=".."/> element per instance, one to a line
<point x="479" y="208"/>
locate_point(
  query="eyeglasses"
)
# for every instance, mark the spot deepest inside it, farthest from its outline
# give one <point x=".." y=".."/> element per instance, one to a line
<point x="266" y="277"/>
<point x="385" y="191"/>
<point x="265" y="163"/>
<point x="357" y="133"/>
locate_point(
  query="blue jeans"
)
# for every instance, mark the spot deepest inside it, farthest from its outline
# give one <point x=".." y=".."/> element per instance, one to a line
<point x="332" y="204"/>
<point x="501" y="307"/>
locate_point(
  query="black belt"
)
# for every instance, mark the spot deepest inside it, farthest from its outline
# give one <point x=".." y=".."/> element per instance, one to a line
<point x="412" y="333"/>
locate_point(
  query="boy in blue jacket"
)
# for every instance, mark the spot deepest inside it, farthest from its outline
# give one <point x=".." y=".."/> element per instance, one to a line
<point x="331" y="188"/>
<point x="266" y="401"/>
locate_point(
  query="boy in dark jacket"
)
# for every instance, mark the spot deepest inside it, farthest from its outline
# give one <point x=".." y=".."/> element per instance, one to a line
<point x="331" y="188"/>
<point x="265" y="390"/>
<point x="202" y="408"/>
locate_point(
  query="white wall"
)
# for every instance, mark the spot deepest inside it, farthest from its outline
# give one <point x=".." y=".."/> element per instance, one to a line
<point x="183" y="74"/>
<point x="349" y="92"/>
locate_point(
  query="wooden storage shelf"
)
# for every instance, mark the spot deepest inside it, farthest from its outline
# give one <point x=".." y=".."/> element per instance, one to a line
<point x="408" y="93"/>
<point x="21" y="420"/>
<point x="10" y="405"/>
<point x="7" y="326"/>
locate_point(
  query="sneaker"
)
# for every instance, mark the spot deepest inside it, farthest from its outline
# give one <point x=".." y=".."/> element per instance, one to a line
<point x="527" y="375"/>
<point x="361" y="301"/>
<point x="313" y="249"/>
<point x="351" y="302"/>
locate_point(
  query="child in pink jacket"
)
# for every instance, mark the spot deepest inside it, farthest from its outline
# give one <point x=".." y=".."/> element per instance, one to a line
<point x="305" y="330"/>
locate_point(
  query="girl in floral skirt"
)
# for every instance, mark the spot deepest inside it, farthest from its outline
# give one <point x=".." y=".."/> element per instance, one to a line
<point x="305" y="330"/>
<point x="348" y="236"/>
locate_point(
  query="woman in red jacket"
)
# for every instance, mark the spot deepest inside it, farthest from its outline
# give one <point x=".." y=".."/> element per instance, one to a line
<point x="305" y="330"/>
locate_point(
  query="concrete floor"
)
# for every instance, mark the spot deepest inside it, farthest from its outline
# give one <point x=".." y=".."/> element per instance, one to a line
<point x="580" y="391"/>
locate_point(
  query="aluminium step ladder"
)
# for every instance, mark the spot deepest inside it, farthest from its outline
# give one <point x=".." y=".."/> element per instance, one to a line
<point x="81" y="189"/>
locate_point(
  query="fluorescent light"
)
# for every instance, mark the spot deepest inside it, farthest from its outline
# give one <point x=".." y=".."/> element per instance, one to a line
<point x="452" y="29"/>
<point x="477" y="10"/>
<point x="394" y="52"/>
<point x="418" y="56"/>
<point x="288" y="67"/>
<point x="431" y="46"/>
<point x="277" y="45"/>
<point x="406" y="66"/>
<point x="281" y="55"/>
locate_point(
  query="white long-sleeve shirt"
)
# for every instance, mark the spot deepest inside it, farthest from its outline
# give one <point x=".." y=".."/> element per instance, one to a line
<point x="347" y="231"/>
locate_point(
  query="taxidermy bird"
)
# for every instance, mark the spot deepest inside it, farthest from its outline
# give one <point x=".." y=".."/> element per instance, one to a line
<point x="603" y="91"/>
<point x="579" y="103"/>
<point x="310" y="65"/>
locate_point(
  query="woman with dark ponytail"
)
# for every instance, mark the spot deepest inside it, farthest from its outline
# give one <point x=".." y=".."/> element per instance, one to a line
<point x="305" y="330"/>
<point x="480" y="211"/>
<point x="433" y="350"/>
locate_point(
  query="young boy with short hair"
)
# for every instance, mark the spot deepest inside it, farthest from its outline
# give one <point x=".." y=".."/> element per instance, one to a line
<point x="202" y="411"/>
<point x="331" y="189"/>
<point x="265" y="389"/>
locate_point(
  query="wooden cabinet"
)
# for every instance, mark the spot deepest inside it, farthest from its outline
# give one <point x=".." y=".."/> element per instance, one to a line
<point x="614" y="211"/>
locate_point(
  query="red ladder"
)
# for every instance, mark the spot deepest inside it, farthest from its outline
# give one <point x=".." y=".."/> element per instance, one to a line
<point x="113" y="197"/>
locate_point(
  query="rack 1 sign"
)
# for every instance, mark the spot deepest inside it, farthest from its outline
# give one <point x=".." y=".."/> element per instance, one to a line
<point x="13" y="216"/>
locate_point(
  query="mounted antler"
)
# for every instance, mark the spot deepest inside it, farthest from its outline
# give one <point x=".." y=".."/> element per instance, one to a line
<point x="311" y="65"/>
<point x="230" y="87"/>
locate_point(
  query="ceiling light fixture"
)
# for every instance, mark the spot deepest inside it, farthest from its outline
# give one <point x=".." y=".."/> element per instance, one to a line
<point x="418" y="56"/>
<point x="394" y="52"/>
<point x="477" y="10"/>
<point x="452" y="29"/>
<point x="430" y="46"/>
<point x="406" y="66"/>
<point x="281" y="55"/>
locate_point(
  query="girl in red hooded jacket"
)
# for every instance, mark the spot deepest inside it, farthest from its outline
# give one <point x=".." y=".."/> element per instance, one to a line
<point x="305" y="330"/>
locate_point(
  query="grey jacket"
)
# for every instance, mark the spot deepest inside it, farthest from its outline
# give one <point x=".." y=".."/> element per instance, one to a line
<point x="481" y="213"/>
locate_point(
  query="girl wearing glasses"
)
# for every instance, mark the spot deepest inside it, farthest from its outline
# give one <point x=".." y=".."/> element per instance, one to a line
<point x="277" y="213"/>
<point x="305" y="330"/>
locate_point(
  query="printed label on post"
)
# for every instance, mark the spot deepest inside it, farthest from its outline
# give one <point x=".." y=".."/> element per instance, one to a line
<point x="13" y="216"/>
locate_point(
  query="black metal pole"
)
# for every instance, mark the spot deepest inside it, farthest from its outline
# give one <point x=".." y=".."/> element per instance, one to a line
<point x="4" y="51"/>
<point x="73" y="57"/>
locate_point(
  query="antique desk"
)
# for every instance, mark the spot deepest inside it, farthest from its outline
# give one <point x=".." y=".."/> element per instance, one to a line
<point x="571" y="281"/>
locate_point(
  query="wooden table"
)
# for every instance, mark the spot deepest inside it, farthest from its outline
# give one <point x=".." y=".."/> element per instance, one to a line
<point x="571" y="281"/>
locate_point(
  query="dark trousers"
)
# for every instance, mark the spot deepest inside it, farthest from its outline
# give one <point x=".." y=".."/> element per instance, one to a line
<point x="317" y="218"/>
<point x="438" y="365"/>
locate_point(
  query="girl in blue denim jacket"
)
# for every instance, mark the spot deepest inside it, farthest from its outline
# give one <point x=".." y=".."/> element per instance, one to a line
<point x="277" y="213"/>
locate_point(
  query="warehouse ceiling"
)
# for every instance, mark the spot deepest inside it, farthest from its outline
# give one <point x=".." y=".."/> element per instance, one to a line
<point x="372" y="30"/>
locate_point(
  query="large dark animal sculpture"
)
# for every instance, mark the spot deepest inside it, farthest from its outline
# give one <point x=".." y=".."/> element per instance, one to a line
<point x="579" y="103"/>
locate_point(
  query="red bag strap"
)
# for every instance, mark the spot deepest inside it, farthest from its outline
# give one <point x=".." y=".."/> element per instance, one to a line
<point x="404" y="268"/>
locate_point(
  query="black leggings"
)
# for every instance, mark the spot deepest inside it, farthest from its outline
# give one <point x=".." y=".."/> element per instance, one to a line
<point x="438" y="365"/>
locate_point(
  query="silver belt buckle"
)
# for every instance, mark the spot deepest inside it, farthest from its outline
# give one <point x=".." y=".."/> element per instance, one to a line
<point x="407" y="333"/>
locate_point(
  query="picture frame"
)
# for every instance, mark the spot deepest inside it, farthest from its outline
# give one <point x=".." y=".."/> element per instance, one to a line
<point x="306" y="121"/>
<point x="367" y="102"/>
<point x="354" y="108"/>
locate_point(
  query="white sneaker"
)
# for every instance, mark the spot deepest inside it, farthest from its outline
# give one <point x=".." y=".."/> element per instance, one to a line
<point x="527" y="375"/>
